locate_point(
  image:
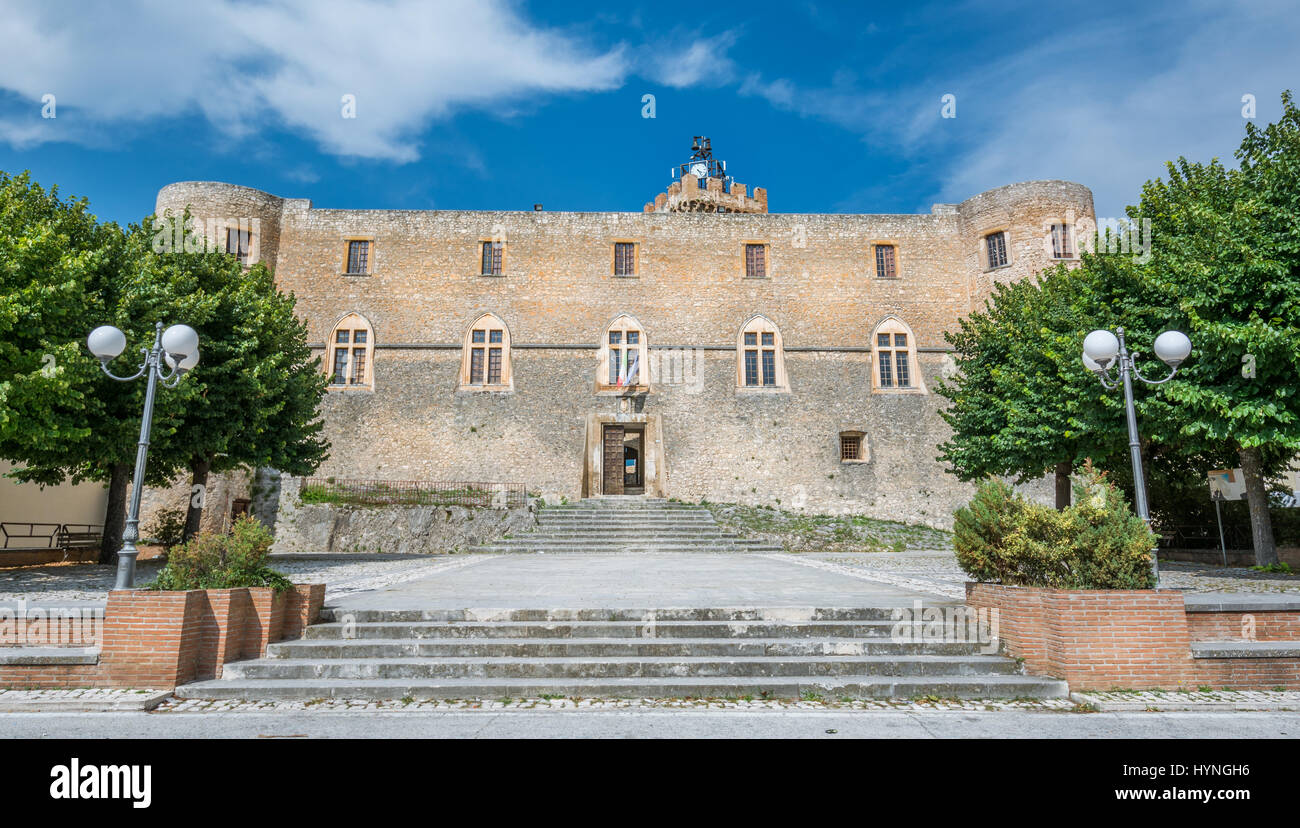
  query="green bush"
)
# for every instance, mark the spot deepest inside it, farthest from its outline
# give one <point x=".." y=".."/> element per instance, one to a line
<point x="211" y="561"/>
<point x="168" y="527"/>
<point x="1097" y="543"/>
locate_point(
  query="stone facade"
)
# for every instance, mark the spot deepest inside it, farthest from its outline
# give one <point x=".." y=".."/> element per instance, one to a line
<point x="705" y="436"/>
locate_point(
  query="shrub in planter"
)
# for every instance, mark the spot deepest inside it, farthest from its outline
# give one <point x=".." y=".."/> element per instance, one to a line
<point x="1098" y="543"/>
<point x="211" y="561"/>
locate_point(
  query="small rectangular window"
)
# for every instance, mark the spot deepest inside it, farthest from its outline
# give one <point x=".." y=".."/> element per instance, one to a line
<point x="239" y="243"/>
<point x="624" y="259"/>
<point x="494" y="337"/>
<point x="1061" y="242"/>
<point x="885" y="265"/>
<point x="850" y="446"/>
<point x="751" y="339"/>
<point x="997" y="245"/>
<point x="477" y="336"/>
<point x="358" y="257"/>
<point x="492" y="255"/>
<point x="756" y="261"/>
<point x="341" y="337"/>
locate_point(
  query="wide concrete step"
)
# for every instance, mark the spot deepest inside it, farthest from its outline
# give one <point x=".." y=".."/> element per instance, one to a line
<point x="612" y="614"/>
<point x="629" y="533"/>
<point x="793" y="687"/>
<point x="595" y="629"/>
<point x="375" y="648"/>
<point x="614" y="547"/>
<point x="619" y="667"/>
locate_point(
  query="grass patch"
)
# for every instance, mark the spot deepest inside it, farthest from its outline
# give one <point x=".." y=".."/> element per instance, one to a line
<point x="800" y="532"/>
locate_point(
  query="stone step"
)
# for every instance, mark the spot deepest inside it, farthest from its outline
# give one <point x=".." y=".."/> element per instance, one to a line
<point x="876" y="687"/>
<point x="606" y="615"/>
<point x="619" y="667"/>
<point x="596" y="629"/>
<point x="376" y="648"/>
<point x="615" y="549"/>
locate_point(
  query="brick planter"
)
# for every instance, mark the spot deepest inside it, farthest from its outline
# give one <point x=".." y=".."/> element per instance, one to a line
<point x="160" y="639"/>
<point x="1136" y="639"/>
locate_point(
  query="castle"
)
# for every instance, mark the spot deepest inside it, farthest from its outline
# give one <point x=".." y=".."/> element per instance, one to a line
<point x="703" y="348"/>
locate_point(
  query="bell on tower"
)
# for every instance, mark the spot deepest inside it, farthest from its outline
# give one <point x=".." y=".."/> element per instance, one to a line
<point x="703" y="186"/>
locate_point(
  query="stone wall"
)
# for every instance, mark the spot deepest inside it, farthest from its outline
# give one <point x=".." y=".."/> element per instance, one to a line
<point x="557" y="294"/>
<point x="330" y="528"/>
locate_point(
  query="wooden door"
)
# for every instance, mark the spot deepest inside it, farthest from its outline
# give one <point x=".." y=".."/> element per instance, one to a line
<point x="612" y="467"/>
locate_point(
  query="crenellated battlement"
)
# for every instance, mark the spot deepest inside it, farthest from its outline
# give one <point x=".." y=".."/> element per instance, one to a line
<point x="685" y="195"/>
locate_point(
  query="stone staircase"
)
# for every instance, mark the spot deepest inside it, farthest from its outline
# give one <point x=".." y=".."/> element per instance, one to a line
<point x="774" y="653"/>
<point x="627" y="525"/>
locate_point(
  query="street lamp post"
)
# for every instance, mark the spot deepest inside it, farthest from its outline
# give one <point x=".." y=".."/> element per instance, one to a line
<point x="1100" y="349"/>
<point x="178" y="348"/>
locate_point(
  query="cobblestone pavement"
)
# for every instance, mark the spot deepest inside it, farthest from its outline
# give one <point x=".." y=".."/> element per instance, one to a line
<point x="938" y="572"/>
<point x="89" y="583"/>
<point x="1124" y="700"/>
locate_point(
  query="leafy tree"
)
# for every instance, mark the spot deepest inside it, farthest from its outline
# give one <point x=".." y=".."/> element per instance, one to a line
<point x="1226" y="244"/>
<point x="60" y="417"/>
<point x="1018" y="399"/>
<point x="254" y="398"/>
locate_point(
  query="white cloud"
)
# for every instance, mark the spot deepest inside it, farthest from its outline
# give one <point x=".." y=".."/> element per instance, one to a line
<point x="1105" y="106"/>
<point x="695" y="62"/>
<point x="291" y="61"/>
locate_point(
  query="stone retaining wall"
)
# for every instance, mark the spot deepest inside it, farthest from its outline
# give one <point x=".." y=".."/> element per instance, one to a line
<point x="431" y="530"/>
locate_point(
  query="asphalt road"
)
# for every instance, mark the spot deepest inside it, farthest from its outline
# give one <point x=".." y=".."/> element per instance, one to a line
<point x="651" y="724"/>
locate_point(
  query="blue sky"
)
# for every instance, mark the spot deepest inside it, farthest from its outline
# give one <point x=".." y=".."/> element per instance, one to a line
<point x="498" y="105"/>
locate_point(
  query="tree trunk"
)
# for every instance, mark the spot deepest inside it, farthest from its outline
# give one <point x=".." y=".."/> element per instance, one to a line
<point x="1063" y="470"/>
<point x="194" y="512"/>
<point x="1261" y="525"/>
<point x="115" y="512"/>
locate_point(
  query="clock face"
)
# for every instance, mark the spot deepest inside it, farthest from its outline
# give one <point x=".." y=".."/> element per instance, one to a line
<point x="699" y="170"/>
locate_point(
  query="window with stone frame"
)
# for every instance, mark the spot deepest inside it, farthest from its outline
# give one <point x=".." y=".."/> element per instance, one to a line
<point x="760" y="356"/>
<point x="755" y="261"/>
<point x="886" y="261"/>
<point x="851" y="447"/>
<point x="623" y="356"/>
<point x="996" y="244"/>
<point x="493" y="256"/>
<point x="1062" y="244"/>
<point x="485" y="364"/>
<point x="358" y="257"/>
<point x="624" y="258"/>
<point x="894" y="352"/>
<point x="349" y="358"/>
<point x="239" y="243"/>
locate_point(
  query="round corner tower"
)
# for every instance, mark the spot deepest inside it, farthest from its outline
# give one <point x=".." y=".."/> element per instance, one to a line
<point x="1041" y="224"/>
<point x="216" y="207"/>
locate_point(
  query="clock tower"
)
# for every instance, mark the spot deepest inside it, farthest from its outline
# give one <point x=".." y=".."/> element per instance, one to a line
<point x="703" y="186"/>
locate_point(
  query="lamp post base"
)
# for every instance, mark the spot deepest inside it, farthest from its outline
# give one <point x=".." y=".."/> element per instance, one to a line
<point x="126" y="567"/>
